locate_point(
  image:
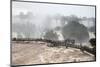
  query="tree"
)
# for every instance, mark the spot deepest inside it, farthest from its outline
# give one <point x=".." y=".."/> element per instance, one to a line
<point x="50" y="35"/>
<point x="75" y="30"/>
<point x="93" y="42"/>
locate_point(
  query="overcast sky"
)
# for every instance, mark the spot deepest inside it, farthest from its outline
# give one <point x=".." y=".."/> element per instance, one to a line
<point x="52" y="9"/>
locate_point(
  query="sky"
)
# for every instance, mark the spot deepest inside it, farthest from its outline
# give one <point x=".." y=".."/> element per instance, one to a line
<point x="44" y="9"/>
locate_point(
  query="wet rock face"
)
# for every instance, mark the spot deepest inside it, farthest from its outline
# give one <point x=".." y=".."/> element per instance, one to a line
<point x="36" y="52"/>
